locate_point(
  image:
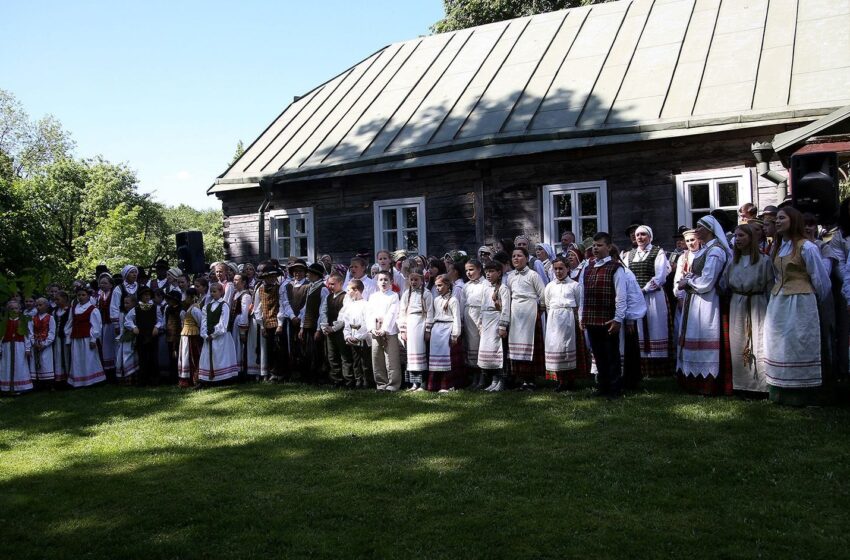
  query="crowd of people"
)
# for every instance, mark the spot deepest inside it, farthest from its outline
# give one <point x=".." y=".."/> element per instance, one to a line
<point x="758" y="308"/>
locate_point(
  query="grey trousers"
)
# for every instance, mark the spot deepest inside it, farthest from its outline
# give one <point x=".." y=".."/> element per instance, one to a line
<point x="386" y="363"/>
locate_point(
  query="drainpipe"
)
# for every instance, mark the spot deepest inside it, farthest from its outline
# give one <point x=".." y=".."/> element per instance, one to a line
<point x="261" y="225"/>
<point x="763" y="153"/>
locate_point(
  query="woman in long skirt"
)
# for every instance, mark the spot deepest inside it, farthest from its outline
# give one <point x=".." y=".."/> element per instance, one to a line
<point x="190" y="340"/>
<point x="525" y="338"/>
<point x="218" y="354"/>
<point x="793" y="363"/>
<point x="82" y="332"/>
<point x="698" y="357"/>
<point x="649" y="264"/>
<point x="15" y="350"/>
<point x="748" y="278"/>
<point x="107" y="335"/>
<point x="42" y="336"/>
<point x="240" y="322"/>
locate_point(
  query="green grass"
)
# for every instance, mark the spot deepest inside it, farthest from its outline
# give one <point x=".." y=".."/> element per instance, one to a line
<point x="266" y="471"/>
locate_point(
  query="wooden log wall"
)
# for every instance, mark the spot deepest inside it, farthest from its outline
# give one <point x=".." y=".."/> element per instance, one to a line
<point x="475" y="202"/>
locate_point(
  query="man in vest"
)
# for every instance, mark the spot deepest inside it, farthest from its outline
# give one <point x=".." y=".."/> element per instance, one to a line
<point x="603" y="311"/>
<point x="312" y="319"/>
<point x="339" y="353"/>
<point x="272" y="352"/>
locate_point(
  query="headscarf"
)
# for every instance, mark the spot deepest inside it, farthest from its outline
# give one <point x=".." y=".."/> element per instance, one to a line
<point x="577" y="253"/>
<point x="127" y="270"/>
<point x="550" y="252"/>
<point x="647" y="230"/>
<point x="710" y="223"/>
<point x="175" y="272"/>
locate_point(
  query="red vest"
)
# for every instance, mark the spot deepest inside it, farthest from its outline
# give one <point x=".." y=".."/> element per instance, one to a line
<point x="11" y="334"/>
<point x="41" y="327"/>
<point x="103" y="307"/>
<point x="599" y="294"/>
<point x="81" y="325"/>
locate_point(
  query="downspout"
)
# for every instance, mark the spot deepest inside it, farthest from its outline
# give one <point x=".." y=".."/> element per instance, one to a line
<point x="763" y="153"/>
<point x="261" y="225"/>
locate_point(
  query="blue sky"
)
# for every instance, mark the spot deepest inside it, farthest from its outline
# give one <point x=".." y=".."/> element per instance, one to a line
<point x="170" y="87"/>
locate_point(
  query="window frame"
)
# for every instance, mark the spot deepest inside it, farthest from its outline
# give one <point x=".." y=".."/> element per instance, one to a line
<point x="550" y="230"/>
<point x="684" y="210"/>
<point x="289" y="213"/>
<point x="398" y="204"/>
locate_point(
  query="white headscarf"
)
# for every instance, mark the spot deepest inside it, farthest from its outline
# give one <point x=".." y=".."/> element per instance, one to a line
<point x="709" y="222"/>
<point x="550" y="252"/>
<point x="127" y="270"/>
<point x="647" y="230"/>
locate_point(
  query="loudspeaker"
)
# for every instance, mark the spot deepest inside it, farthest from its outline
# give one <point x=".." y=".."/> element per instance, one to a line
<point x="814" y="185"/>
<point x="190" y="252"/>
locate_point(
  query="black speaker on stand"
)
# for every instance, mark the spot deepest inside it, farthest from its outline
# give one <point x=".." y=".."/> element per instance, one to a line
<point x="190" y="252"/>
<point x="814" y="185"/>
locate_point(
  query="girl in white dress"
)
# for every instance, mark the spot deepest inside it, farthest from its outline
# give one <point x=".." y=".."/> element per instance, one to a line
<point x="415" y="311"/>
<point x="81" y="333"/>
<point x="472" y="317"/>
<point x="218" y="355"/>
<point x="493" y="326"/>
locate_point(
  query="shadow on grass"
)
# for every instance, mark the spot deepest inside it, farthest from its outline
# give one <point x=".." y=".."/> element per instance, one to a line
<point x="295" y="471"/>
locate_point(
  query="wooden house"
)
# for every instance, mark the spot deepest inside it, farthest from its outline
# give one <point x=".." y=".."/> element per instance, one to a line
<point x="582" y="119"/>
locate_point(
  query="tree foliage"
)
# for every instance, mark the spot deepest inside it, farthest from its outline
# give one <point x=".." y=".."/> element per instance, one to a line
<point x="61" y="216"/>
<point x="461" y="14"/>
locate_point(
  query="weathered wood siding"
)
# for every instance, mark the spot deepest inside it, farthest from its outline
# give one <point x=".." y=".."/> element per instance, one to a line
<point x="475" y="202"/>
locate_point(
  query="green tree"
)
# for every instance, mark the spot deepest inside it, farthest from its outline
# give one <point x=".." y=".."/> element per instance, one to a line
<point x="240" y="149"/>
<point x="461" y="14"/>
<point x="30" y="144"/>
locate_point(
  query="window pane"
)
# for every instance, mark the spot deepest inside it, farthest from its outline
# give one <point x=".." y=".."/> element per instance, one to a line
<point x="562" y="205"/>
<point x="390" y="240"/>
<point x="411" y="241"/>
<point x="300" y="225"/>
<point x="285" y="246"/>
<point x="283" y="225"/>
<point x="695" y="216"/>
<point x="564" y="225"/>
<point x="699" y="195"/>
<point x="302" y="247"/>
<point x="587" y="204"/>
<point x="389" y="219"/>
<point x="410" y="215"/>
<point x="728" y="193"/>
<point x="588" y="228"/>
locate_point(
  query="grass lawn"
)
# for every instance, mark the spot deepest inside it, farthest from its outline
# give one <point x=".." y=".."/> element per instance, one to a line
<point x="270" y="471"/>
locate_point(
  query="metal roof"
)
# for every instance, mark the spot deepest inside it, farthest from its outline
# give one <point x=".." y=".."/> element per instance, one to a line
<point x="614" y="72"/>
<point x="836" y="121"/>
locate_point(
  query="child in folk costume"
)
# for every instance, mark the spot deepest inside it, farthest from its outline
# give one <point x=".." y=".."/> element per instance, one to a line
<point x="629" y="340"/>
<point x="107" y="336"/>
<point x="162" y="358"/>
<point x="293" y="296"/>
<point x="218" y="355"/>
<point x="15" y="350"/>
<point x="683" y="267"/>
<point x="385" y="264"/>
<point x="43" y="336"/>
<point x="565" y="353"/>
<point x="338" y="353"/>
<point x="29" y="307"/>
<point x="172" y="325"/>
<point x="546" y="257"/>
<point x="239" y="323"/>
<point x="649" y="264"/>
<point x="415" y="311"/>
<point x="126" y="363"/>
<point x="525" y="340"/>
<point x="221" y="274"/>
<point x="382" y="318"/>
<point x="311" y="319"/>
<point x="81" y="333"/>
<point x="190" y="340"/>
<point x="356" y="333"/>
<point x="61" y="351"/>
<point x="271" y="325"/>
<point x="445" y="356"/>
<point x="495" y="318"/>
<point x="749" y="277"/>
<point x="127" y="359"/>
<point x="145" y="321"/>
<point x="472" y="291"/>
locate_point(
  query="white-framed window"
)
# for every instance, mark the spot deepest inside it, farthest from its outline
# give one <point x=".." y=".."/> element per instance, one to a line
<point x="698" y="193"/>
<point x="292" y="234"/>
<point x="400" y="224"/>
<point x="581" y="208"/>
